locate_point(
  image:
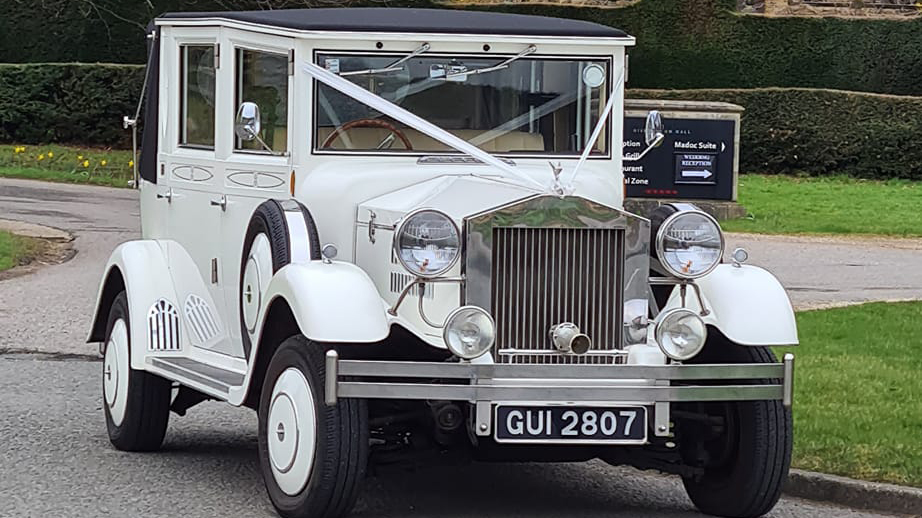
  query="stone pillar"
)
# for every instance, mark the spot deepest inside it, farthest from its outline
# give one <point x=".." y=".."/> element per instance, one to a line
<point x="776" y="6"/>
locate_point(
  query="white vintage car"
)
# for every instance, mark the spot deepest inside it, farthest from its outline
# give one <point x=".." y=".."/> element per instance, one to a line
<point x="394" y="229"/>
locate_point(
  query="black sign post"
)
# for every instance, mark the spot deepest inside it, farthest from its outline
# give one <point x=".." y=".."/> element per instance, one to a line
<point x="697" y="159"/>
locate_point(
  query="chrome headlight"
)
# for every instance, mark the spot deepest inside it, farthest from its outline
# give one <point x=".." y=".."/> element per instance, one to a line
<point x="469" y="332"/>
<point x="689" y="244"/>
<point x="680" y="333"/>
<point x="427" y="243"/>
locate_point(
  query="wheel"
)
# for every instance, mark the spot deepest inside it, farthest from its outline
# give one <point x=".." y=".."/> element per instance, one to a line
<point x="266" y="249"/>
<point x="312" y="456"/>
<point x="746" y="459"/>
<point x="137" y="403"/>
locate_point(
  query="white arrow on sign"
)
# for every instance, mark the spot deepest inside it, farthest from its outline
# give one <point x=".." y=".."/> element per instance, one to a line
<point x="697" y="174"/>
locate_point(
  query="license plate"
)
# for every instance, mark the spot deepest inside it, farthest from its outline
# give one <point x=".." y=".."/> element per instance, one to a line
<point x="570" y="424"/>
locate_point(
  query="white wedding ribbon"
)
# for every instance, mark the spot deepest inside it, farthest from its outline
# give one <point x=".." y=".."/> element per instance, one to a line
<point x="597" y="131"/>
<point x="392" y="110"/>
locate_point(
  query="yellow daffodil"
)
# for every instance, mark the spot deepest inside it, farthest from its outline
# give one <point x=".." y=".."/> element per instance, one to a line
<point x="86" y="163"/>
<point x="79" y="157"/>
<point x="131" y="163"/>
<point x="51" y="154"/>
<point x="102" y="163"/>
<point x="40" y="157"/>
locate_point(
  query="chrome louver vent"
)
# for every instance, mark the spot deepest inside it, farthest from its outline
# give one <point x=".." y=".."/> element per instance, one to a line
<point x="547" y="276"/>
<point x="163" y="327"/>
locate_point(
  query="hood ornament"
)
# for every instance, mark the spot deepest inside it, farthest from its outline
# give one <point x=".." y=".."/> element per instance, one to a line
<point x="557" y="188"/>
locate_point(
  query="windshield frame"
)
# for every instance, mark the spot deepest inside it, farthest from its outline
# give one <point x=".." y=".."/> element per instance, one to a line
<point x="607" y="59"/>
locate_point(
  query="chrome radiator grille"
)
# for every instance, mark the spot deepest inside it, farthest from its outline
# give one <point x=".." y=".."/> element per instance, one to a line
<point x="547" y="276"/>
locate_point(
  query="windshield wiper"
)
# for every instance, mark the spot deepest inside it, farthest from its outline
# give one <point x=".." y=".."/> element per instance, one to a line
<point x="531" y="49"/>
<point x="393" y="67"/>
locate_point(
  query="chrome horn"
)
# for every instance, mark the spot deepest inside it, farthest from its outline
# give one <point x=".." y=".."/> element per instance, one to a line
<point x="568" y="339"/>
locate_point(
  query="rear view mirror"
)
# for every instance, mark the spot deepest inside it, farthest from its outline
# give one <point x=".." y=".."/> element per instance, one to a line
<point x="247" y="123"/>
<point x="653" y="129"/>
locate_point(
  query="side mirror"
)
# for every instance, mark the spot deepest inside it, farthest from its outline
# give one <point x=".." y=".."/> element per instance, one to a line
<point x="653" y="134"/>
<point x="247" y="123"/>
<point x="653" y="129"/>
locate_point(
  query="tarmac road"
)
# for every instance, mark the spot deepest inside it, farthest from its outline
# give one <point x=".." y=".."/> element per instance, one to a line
<point x="55" y="459"/>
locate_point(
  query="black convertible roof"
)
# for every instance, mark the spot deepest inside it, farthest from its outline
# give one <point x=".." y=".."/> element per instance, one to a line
<point x="427" y="21"/>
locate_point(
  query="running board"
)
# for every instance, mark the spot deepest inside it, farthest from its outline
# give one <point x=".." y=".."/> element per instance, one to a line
<point x="216" y="379"/>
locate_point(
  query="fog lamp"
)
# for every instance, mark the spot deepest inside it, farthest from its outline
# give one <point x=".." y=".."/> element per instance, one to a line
<point x="680" y="333"/>
<point x="469" y="332"/>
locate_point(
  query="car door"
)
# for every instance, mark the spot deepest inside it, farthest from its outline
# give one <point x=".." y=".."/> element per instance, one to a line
<point x="194" y="178"/>
<point x="258" y="169"/>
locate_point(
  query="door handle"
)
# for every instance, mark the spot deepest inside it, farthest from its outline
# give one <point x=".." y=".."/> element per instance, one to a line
<point x="220" y="203"/>
<point x="168" y="196"/>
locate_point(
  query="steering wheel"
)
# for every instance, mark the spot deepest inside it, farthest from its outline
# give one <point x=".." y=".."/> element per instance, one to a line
<point x="366" y="123"/>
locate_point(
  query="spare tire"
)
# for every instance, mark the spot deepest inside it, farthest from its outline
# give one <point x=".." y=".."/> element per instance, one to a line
<point x="274" y="235"/>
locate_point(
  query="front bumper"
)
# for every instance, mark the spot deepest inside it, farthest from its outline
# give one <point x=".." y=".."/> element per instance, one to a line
<point x="489" y="383"/>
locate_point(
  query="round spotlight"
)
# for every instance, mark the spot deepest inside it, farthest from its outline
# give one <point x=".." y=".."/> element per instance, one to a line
<point x="469" y="332"/>
<point x="681" y="333"/>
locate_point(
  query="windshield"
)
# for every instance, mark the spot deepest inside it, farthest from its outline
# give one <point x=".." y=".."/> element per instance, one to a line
<point x="527" y="106"/>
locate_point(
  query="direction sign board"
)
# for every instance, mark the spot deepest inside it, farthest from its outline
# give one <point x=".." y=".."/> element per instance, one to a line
<point x="696" y="168"/>
<point x="696" y="160"/>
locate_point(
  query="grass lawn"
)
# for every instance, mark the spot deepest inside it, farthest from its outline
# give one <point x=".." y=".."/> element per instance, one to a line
<point x="838" y="205"/>
<point x="858" y="392"/>
<point x="14" y="249"/>
<point x="67" y="164"/>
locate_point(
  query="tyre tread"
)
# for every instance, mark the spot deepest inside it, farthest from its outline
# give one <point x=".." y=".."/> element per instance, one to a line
<point x="147" y="413"/>
<point x="761" y="487"/>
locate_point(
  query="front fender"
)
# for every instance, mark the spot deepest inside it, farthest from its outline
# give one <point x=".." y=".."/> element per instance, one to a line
<point x="331" y="302"/>
<point x="747" y="304"/>
<point x="140" y="268"/>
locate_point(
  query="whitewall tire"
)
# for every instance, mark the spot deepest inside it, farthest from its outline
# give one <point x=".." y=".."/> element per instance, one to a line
<point x="136" y="403"/>
<point x="312" y="456"/>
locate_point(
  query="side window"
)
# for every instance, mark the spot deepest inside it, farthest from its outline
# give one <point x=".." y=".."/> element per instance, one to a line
<point x="197" y="96"/>
<point x="262" y="78"/>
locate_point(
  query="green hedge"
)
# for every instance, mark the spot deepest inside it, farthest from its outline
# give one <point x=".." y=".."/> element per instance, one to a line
<point x="817" y="132"/>
<point x="706" y="44"/>
<point x="821" y="132"/>
<point x="680" y="43"/>
<point x="68" y="103"/>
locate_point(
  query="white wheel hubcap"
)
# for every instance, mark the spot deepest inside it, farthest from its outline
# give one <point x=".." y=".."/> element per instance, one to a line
<point x="115" y="372"/>
<point x="291" y="431"/>
<point x="256" y="272"/>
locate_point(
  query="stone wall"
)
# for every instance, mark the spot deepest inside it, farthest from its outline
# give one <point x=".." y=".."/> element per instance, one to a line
<point x="598" y="4"/>
<point x="844" y="8"/>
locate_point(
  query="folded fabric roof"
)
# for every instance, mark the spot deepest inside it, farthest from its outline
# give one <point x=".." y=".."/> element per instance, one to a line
<point x="426" y="21"/>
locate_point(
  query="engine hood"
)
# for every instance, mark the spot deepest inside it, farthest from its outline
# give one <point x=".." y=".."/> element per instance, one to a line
<point x="457" y="196"/>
